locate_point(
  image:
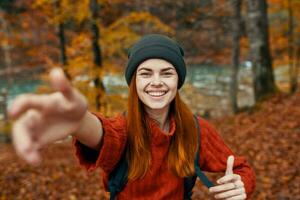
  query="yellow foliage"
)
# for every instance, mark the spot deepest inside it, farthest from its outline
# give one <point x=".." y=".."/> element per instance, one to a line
<point x="110" y="67"/>
<point x="80" y="10"/>
<point x="119" y="36"/>
<point x="115" y="41"/>
<point x="5" y="127"/>
<point x="279" y="28"/>
<point x="63" y="10"/>
<point x="81" y="67"/>
<point x="142" y="22"/>
<point x="80" y="55"/>
<point x="88" y="91"/>
<point x="113" y="104"/>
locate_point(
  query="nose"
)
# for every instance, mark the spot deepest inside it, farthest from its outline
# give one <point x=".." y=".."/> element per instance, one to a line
<point x="156" y="81"/>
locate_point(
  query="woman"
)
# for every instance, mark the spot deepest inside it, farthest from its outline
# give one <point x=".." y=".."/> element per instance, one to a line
<point x="157" y="135"/>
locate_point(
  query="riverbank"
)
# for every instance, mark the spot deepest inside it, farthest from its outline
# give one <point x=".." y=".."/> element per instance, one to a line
<point x="206" y="90"/>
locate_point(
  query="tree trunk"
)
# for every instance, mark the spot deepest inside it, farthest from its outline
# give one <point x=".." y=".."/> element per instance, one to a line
<point x="63" y="59"/>
<point x="3" y="104"/>
<point x="62" y="42"/>
<point x="94" y="7"/>
<point x="236" y="6"/>
<point x="95" y="33"/>
<point x="292" y="66"/>
<point x="61" y="36"/>
<point x="297" y="64"/>
<point x="7" y="61"/>
<point x="259" y="49"/>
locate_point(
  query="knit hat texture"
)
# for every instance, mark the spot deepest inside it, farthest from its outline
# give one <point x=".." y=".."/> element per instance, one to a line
<point x="156" y="46"/>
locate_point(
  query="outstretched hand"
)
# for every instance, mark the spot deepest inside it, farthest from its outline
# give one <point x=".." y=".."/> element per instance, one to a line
<point x="230" y="186"/>
<point x="42" y="119"/>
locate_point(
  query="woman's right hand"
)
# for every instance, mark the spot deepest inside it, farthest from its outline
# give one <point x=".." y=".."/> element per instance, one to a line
<point x="42" y="119"/>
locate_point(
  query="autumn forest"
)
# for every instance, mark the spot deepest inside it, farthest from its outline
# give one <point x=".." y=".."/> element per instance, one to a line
<point x="243" y="60"/>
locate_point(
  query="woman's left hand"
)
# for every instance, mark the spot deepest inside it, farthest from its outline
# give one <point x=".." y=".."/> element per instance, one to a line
<point x="230" y="186"/>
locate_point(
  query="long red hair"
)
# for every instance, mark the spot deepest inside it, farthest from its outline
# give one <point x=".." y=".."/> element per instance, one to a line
<point x="183" y="145"/>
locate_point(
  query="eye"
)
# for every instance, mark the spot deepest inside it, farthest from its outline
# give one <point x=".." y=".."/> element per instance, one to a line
<point x="146" y="74"/>
<point x="167" y="74"/>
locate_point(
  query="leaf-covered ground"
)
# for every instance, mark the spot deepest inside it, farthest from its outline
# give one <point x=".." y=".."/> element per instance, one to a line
<point x="269" y="136"/>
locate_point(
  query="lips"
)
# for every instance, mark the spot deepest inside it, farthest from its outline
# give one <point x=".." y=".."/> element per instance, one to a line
<point x="156" y="93"/>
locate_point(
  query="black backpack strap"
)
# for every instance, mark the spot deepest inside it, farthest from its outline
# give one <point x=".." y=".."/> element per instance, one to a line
<point x="198" y="171"/>
<point x="189" y="182"/>
<point x="118" y="178"/>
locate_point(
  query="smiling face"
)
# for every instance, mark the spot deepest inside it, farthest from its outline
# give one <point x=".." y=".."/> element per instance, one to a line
<point x="156" y="84"/>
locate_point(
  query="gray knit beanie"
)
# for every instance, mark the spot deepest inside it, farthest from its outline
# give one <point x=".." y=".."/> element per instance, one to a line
<point x="156" y="46"/>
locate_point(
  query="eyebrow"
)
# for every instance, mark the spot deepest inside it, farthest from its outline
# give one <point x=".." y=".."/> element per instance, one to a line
<point x="148" y="69"/>
<point x="144" y="68"/>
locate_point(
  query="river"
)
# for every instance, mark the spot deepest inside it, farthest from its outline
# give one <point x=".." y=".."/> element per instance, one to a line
<point x="206" y="89"/>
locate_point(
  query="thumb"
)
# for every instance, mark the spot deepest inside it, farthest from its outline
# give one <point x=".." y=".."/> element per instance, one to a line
<point x="230" y="161"/>
<point x="60" y="82"/>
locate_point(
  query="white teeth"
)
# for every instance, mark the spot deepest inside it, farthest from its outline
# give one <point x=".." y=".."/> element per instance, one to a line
<point x="156" y="94"/>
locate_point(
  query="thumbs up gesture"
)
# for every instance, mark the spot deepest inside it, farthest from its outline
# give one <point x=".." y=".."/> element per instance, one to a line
<point x="230" y="186"/>
<point x="42" y="119"/>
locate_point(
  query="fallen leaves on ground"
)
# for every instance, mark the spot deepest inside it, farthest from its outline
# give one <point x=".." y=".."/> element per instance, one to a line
<point x="58" y="177"/>
<point x="269" y="137"/>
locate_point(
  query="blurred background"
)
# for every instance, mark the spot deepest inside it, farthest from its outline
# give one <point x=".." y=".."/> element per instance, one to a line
<point x="243" y="69"/>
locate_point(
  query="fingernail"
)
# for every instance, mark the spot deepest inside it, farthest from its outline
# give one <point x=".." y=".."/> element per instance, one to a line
<point x="34" y="159"/>
<point x="54" y="72"/>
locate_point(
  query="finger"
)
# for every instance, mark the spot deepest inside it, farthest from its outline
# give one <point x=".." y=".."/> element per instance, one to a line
<point x="238" y="197"/>
<point x="222" y="188"/>
<point x="25" y="102"/>
<point x="60" y="82"/>
<point x="229" y="178"/>
<point x="230" y="161"/>
<point x="197" y="193"/>
<point x="33" y="121"/>
<point x="23" y="143"/>
<point x="230" y="193"/>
